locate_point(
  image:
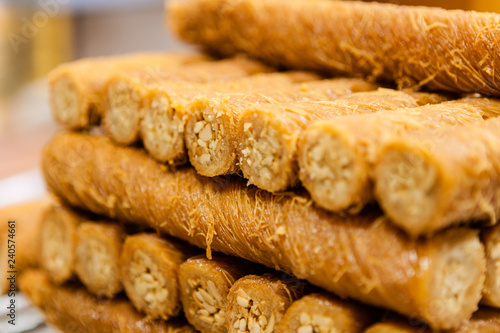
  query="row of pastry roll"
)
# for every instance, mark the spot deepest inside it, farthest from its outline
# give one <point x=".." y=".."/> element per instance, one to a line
<point x="217" y="294"/>
<point x="71" y="308"/>
<point x="440" y="279"/>
<point x="279" y="128"/>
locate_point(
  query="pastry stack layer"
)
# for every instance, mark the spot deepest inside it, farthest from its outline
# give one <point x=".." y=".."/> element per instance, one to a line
<point x="310" y="203"/>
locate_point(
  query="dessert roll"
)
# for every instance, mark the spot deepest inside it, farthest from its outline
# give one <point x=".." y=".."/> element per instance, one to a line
<point x="267" y="133"/>
<point x="166" y="108"/>
<point x="440" y="49"/>
<point x="126" y="92"/>
<point x="97" y="252"/>
<point x="78" y="89"/>
<point x="440" y="278"/>
<point x="149" y="270"/>
<point x="337" y="157"/>
<point x="58" y="240"/>
<point x="430" y="180"/>
<point x="204" y="286"/>
<point x="323" y="312"/>
<point x="212" y="127"/>
<point x="71" y="308"/>
<point x="258" y="303"/>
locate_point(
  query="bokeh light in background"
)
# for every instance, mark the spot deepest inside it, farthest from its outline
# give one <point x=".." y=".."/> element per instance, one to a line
<point x="37" y="35"/>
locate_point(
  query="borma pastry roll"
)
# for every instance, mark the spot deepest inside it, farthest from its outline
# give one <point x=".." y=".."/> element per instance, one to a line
<point x="258" y="303"/>
<point x="267" y="133"/>
<point x="441" y="49"/>
<point x="97" y="252"/>
<point x="71" y="308"/>
<point x="149" y="270"/>
<point x="166" y="108"/>
<point x="77" y="89"/>
<point x="324" y="312"/>
<point x="58" y="240"/>
<point x="125" y="92"/>
<point x="491" y="240"/>
<point x="204" y="287"/>
<point x="439" y="279"/>
<point x="20" y="240"/>
<point x="433" y="179"/>
<point x="485" y="320"/>
<point x="212" y="126"/>
<point x="337" y="157"/>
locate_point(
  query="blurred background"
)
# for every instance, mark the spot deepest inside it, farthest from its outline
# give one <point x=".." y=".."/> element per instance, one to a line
<point x="37" y="35"/>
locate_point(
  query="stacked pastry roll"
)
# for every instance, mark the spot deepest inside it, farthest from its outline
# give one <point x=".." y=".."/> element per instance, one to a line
<point x="225" y="195"/>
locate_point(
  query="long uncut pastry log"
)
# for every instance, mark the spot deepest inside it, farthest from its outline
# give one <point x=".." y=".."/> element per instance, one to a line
<point x="258" y="303"/>
<point x="441" y="49"/>
<point x="343" y="254"/>
<point x="433" y="179"/>
<point x="336" y="157"/>
<point x="204" y="287"/>
<point x="485" y="320"/>
<point x="165" y="109"/>
<point x="97" y="252"/>
<point x="149" y="270"/>
<point x="212" y="126"/>
<point x="491" y="240"/>
<point x="22" y="238"/>
<point x="268" y="133"/>
<point x="58" y="240"/>
<point x="71" y="308"/>
<point x="78" y="89"/>
<point x="126" y="91"/>
<point x="323" y="312"/>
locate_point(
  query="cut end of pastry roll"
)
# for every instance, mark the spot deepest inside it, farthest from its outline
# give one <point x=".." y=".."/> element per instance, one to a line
<point x="458" y="274"/>
<point x="265" y="155"/>
<point x="162" y="130"/>
<point x="205" y="286"/>
<point x="67" y="105"/>
<point x="97" y="253"/>
<point x="149" y="267"/>
<point x="491" y="240"/>
<point x="322" y="312"/>
<point x="122" y="114"/>
<point x="57" y="243"/>
<point x="332" y="170"/>
<point x="258" y="303"/>
<point x="410" y="187"/>
<point x="208" y="141"/>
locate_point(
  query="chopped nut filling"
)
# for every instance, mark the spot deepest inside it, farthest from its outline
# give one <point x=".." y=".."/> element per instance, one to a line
<point x="252" y="319"/>
<point x="209" y="301"/>
<point x="149" y="283"/>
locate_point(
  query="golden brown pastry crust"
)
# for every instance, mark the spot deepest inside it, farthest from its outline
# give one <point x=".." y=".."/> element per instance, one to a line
<point x="267" y="135"/>
<point x="28" y="217"/>
<point x="149" y="271"/>
<point x="126" y="92"/>
<point x="77" y="89"/>
<point x="258" y="303"/>
<point x="96" y="253"/>
<point x="491" y="240"/>
<point x="433" y="179"/>
<point x="441" y="49"/>
<point x="57" y="242"/>
<point x="337" y="157"/>
<point x="71" y="308"/>
<point x="324" y="312"/>
<point x="485" y="320"/>
<point x="344" y="255"/>
<point x="212" y="127"/>
<point x="166" y="109"/>
<point x="204" y="287"/>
